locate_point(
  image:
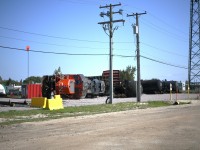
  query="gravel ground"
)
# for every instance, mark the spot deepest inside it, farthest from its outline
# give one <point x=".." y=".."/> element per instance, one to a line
<point x="144" y="98"/>
<point x="98" y="100"/>
<point x="163" y="128"/>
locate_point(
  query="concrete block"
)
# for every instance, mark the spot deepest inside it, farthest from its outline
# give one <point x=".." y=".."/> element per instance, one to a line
<point x="39" y="102"/>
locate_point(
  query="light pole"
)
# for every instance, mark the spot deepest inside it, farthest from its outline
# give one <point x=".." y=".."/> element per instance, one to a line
<point x="27" y="49"/>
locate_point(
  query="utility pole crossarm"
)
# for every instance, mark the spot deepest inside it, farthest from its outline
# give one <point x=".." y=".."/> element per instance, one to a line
<point x="110" y="5"/>
<point x="114" y="21"/>
<point x="134" y="14"/>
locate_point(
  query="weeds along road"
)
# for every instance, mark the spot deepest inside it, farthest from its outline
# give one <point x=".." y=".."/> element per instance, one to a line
<point x="173" y="127"/>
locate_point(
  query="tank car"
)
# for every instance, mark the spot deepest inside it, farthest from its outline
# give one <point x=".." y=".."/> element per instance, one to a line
<point x="153" y="86"/>
<point x="130" y="88"/>
<point x="166" y="86"/>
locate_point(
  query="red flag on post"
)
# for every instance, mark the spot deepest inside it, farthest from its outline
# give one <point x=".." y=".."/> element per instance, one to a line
<point x="27" y="48"/>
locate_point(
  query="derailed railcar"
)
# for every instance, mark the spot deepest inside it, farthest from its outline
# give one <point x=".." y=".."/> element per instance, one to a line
<point x="74" y="86"/>
<point x="102" y="88"/>
<point x="81" y="86"/>
<point x="96" y="87"/>
<point x="153" y="86"/>
<point x="70" y="86"/>
<point x="65" y="85"/>
<point x="57" y="85"/>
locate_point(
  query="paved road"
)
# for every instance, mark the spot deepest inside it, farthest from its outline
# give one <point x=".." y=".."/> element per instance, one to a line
<point x="173" y="127"/>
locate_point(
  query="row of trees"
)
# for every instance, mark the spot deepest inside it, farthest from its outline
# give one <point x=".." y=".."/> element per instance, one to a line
<point x="32" y="79"/>
<point x="127" y="74"/>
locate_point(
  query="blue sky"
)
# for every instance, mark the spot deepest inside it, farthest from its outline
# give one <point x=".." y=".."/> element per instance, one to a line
<point x="72" y="27"/>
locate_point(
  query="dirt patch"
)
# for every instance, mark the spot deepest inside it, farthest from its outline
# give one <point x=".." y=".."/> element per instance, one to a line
<point x="173" y="127"/>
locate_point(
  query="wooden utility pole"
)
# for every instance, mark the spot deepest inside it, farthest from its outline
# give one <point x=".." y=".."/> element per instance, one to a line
<point x="108" y="25"/>
<point x="136" y="29"/>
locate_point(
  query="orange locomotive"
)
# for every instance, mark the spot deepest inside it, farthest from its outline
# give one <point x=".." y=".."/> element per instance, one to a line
<point x="70" y="86"/>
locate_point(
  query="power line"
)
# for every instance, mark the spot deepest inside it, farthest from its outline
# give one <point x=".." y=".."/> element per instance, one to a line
<point x="161" y="62"/>
<point x="160" y="29"/>
<point x="51" y="36"/>
<point x="59" y="37"/>
<point x="158" y="19"/>
<point x="166" y="23"/>
<point x="162" y="50"/>
<point x="84" y="54"/>
<point x="62" y="53"/>
<point x="82" y="2"/>
<point x="54" y="44"/>
<point x="81" y="47"/>
<point x="58" y="53"/>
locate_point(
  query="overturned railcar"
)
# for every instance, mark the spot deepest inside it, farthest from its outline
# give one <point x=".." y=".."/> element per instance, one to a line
<point x="66" y="85"/>
<point x="81" y="86"/>
<point x="96" y="87"/>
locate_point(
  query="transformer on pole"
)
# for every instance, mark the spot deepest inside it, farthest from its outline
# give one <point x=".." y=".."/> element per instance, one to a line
<point x="194" y="45"/>
<point x="136" y="30"/>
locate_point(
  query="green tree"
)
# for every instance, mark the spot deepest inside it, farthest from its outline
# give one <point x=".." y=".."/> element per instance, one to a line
<point x="10" y="82"/>
<point x="32" y="79"/>
<point x="1" y="80"/>
<point x="57" y="71"/>
<point x="128" y="74"/>
<point x="20" y="82"/>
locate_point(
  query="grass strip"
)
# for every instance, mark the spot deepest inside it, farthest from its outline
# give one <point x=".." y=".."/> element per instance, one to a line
<point x="15" y="117"/>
